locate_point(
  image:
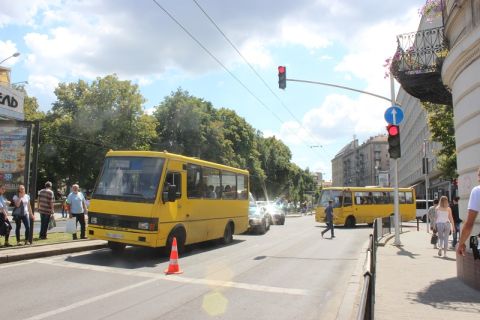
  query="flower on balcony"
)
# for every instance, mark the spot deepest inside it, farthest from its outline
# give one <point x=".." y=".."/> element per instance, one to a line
<point x="392" y="64"/>
<point x="431" y="9"/>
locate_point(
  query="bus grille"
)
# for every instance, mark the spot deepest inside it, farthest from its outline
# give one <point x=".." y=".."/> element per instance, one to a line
<point x="121" y="222"/>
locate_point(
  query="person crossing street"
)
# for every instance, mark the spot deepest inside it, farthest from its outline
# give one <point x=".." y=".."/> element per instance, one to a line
<point x="329" y="219"/>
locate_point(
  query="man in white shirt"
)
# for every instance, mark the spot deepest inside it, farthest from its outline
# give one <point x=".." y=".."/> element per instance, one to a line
<point x="473" y="209"/>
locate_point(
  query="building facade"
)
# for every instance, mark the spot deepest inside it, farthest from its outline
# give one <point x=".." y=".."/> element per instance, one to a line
<point x="361" y="165"/>
<point x="460" y="72"/>
<point x="416" y="144"/>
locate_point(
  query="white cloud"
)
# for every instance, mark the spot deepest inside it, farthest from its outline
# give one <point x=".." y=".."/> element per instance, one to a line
<point x="256" y="53"/>
<point x="42" y="87"/>
<point x="7" y="49"/>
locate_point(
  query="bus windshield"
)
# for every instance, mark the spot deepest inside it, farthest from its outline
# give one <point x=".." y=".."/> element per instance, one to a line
<point x="133" y="179"/>
<point x="334" y="195"/>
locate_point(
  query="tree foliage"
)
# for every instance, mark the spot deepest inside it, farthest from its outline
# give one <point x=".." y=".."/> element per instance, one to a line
<point x="441" y="126"/>
<point x="87" y="119"/>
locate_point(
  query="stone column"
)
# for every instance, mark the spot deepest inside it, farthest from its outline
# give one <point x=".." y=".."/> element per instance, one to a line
<point x="461" y="73"/>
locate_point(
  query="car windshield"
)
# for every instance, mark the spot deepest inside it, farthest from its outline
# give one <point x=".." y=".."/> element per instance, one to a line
<point x="133" y="179"/>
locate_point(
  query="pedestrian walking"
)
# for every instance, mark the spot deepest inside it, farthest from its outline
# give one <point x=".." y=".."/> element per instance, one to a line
<point x="443" y="224"/>
<point x="329" y="219"/>
<point x="456" y="221"/>
<point x="431" y="219"/>
<point x="4" y="222"/>
<point x="45" y="205"/>
<point x="23" y="200"/>
<point x="77" y="208"/>
<point x="473" y="209"/>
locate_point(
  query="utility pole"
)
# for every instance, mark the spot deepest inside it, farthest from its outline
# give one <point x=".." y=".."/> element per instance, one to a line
<point x="395" y="174"/>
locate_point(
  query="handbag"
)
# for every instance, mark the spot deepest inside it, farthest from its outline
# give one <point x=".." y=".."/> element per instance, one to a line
<point x="18" y="212"/>
<point x="434" y="239"/>
<point x="71" y="226"/>
<point x="52" y="223"/>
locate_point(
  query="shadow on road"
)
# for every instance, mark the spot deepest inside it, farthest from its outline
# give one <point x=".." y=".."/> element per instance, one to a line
<point x="138" y="257"/>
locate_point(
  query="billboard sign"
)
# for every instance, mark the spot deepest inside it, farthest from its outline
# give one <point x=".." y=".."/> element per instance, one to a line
<point x="14" y="153"/>
<point x="11" y="102"/>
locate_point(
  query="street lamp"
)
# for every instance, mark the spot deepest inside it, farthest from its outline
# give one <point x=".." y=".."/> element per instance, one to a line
<point x="16" y="54"/>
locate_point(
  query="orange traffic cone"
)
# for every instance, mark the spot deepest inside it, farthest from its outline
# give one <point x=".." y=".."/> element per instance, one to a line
<point x="173" y="267"/>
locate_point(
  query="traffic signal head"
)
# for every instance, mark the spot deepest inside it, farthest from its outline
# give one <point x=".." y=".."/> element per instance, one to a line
<point x="282" y="77"/>
<point x="394" y="141"/>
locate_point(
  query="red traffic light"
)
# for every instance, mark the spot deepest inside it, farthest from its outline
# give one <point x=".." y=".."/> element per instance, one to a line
<point x="282" y="77"/>
<point x="393" y="130"/>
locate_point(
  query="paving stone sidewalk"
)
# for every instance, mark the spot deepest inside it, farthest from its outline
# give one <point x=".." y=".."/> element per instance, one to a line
<point x="413" y="282"/>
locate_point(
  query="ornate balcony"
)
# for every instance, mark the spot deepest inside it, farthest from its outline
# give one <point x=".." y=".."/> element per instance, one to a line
<point x="417" y="65"/>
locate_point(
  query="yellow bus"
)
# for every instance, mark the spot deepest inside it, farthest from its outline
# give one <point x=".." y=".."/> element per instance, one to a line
<point x="352" y="205"/>
<point x="145" y="198"/>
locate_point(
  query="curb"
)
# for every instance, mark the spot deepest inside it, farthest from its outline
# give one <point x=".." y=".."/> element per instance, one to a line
<point x="48" y="251"/>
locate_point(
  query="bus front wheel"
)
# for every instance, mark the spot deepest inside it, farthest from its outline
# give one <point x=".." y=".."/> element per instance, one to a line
<point x="116" y="247"/>
<point x="179" y="234"/>
<point x="350" y="222"/>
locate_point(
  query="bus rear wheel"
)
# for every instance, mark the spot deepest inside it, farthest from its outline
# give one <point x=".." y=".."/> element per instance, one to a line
<point x="116" y="247"/>
<point x="350" y="222"/>
<point x="228" y="234"/>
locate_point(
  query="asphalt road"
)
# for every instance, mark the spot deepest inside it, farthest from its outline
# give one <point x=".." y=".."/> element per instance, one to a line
<point x="288" y="273"/>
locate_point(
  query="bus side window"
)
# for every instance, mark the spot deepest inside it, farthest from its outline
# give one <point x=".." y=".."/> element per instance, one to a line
<point x="194" y="181"/>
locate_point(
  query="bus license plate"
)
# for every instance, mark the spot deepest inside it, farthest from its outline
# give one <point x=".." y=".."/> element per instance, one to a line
<point x="114" y="235"/>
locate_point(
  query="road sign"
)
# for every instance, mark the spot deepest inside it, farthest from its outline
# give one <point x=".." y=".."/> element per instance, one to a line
<point x="394" y="115"/>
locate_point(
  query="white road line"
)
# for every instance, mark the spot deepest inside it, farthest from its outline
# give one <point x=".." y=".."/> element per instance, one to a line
<point x="180" y="279"/>
<point x="88" y="301"/>
<point x="15" y="264"/>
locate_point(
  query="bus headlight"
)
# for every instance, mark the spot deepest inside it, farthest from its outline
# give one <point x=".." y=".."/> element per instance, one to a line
<point x="93" y="220"/>
<point x="143" y="225"/>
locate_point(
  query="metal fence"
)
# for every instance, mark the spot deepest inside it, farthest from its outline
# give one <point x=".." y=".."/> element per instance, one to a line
<point x="381" y="227"/>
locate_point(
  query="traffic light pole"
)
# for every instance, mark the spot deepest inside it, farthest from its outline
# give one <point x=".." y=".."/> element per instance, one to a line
<point x="395" y="173"/>
<point x="282" y="72"/>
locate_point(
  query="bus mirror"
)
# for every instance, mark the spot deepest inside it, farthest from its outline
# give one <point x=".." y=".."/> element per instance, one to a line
<point x="169" y="194"/>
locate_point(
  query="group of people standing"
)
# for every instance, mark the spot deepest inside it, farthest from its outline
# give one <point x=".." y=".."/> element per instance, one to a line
<point x="76" y="207"/>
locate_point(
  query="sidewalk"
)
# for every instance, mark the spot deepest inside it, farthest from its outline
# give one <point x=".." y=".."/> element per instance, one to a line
<point x="37" y="251"/>
<point x="413" y="282"/>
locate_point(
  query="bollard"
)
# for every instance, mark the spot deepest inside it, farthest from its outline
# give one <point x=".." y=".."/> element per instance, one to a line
<point x="418" y="224"/>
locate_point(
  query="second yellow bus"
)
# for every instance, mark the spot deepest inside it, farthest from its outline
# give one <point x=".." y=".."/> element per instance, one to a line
<point x="353" y="205"/>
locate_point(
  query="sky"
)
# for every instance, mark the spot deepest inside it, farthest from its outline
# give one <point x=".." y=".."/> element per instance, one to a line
<point x="226" y="52"/>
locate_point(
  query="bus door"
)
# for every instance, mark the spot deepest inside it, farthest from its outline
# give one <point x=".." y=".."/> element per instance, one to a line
<point x="174" y="210"/>
<point x="348" y="208"/>
<point x="363" y="207"/>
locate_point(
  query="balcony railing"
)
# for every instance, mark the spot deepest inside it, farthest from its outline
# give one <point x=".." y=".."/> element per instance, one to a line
<point x="417" y="64"/>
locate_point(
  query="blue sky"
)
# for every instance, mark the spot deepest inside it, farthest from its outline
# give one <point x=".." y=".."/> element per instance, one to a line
<point x="344" y="42"/>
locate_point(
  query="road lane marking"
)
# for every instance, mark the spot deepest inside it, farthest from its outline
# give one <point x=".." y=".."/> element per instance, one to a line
<point x="180" y="279"/>
<point x="90" y="300"/>
<point x="15" y="264"/>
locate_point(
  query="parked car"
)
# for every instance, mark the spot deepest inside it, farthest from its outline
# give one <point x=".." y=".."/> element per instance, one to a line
<point x="422" y="208"/>
<point x="258" y="218"/>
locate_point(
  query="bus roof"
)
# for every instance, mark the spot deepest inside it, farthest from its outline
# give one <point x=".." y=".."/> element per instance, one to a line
<point x="173" y="156"/>
<point x="371" y="189"/>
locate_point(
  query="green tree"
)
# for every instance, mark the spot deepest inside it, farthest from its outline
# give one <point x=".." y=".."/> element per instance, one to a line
<point x="440" y="124"/>
<point x="88" y="119"/>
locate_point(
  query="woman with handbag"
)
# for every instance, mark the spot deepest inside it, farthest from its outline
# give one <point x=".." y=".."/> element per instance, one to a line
<point x="22" y="213"/>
